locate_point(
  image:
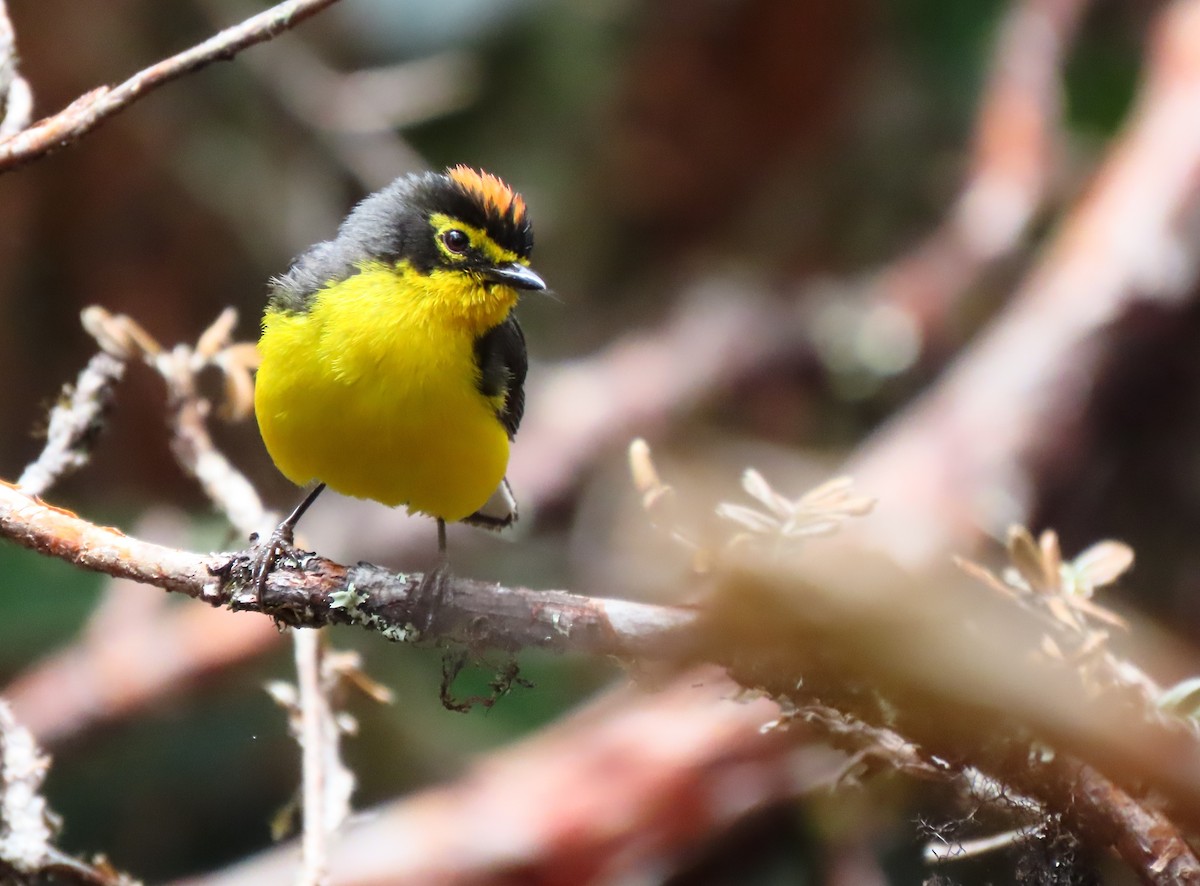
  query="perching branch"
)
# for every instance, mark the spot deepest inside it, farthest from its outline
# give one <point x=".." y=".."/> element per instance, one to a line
<point x="93" y="108"/>
<point x="314" y="592"/>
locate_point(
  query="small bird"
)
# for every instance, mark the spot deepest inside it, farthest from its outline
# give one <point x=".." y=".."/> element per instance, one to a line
<point x="392" y="366"/>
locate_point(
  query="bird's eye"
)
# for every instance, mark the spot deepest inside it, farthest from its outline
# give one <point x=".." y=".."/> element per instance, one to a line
<point x="456" y="241"/>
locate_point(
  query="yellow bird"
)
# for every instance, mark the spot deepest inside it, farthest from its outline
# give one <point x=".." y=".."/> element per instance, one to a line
<point x="392" y="364"/>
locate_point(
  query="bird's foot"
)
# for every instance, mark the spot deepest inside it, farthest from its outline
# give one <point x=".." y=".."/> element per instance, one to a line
<point x="266" y="555"/>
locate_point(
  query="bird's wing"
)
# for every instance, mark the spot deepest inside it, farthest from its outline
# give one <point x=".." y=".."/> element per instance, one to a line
<point x="500" y="354"/>
<point x="503" y="363"/>
<point x="498" y="512"/>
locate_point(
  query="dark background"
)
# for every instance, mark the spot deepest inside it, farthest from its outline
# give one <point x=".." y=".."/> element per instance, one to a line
<point x="750" y="146"/>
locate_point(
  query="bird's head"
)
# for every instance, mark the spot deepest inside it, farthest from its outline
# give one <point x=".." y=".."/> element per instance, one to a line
<point x="460" y="221"/>
<point x="478" y="224"/>
<point x="466" y="231"/>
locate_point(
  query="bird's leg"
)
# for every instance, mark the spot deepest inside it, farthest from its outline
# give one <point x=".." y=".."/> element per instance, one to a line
<point x="432" y="589"/>
<point x="281" y="539"/>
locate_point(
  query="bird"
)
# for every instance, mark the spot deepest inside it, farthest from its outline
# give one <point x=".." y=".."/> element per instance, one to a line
<point x="392" y="366"/>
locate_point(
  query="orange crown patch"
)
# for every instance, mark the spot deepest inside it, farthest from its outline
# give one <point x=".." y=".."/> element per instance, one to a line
<point x="495" y="195"/>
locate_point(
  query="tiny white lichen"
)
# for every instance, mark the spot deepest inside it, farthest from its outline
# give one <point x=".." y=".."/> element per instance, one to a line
<point x="25" y="820"/>
<point x="349" y="600"/>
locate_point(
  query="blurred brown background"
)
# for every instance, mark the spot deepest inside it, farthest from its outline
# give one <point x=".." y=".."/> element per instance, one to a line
<point x="799" y="159"/>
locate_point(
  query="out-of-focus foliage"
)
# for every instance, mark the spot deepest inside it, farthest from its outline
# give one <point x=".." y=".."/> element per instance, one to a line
<point x="658" y="144"/>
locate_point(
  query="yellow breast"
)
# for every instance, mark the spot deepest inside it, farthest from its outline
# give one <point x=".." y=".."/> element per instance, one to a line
<point x="373" y="391"/>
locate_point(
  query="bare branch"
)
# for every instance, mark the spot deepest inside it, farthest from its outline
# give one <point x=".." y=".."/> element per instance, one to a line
<point x="74" y="424"/>
<point x="15" y="94"/>
<point x="949" y="686"/>
<point x="27" y="826"/>
<point x="1148" y="840"/>
<point x="226" y="487"/>
<point x="93" y="108"/>
<point x="327" y="784"/>
<point x="316" y="592"/>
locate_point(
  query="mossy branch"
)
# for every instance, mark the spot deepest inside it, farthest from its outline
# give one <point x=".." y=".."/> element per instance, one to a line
<point x="309" y="591"/>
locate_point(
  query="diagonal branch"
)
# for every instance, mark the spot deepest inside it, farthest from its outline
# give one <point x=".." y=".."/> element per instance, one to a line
<point x="1016" y="143"/>
<point x="769" y="631"/>
<point x="960" y="462"/>
<point x="93" y="108"/>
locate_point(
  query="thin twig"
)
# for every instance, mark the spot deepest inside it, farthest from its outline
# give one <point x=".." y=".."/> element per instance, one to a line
<point x="27" y="826"/>
<point x="316" y="727"/>
<point x="15" y="93"/>
<point x="326" y="783"/>
<point x="74" y="424"/>
<point x="955" y="850"/>
<point x="26" y="830"/>
<point x="89" y="110"/>
<point x="224" y="485"/>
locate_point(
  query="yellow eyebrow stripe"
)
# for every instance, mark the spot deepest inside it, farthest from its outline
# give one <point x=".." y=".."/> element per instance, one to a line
<point x="479" y="239"/>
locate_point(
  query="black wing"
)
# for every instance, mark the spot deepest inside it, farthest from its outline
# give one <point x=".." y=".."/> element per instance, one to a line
<point x="500" y="354"/>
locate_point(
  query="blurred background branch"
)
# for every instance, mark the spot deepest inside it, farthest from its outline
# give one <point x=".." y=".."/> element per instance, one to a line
<point x="91" y="109"/>
<point x="727" y="198"/>
<point x="14" y="89"/>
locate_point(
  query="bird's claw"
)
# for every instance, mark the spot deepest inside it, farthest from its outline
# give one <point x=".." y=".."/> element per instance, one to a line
<point x="266" y="555"/>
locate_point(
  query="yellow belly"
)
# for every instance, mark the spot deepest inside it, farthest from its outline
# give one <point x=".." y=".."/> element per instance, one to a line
<point x="373" y="392"/>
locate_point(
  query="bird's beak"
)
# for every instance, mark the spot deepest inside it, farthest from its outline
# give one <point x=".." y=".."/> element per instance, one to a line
<point x="515" y="275"/>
